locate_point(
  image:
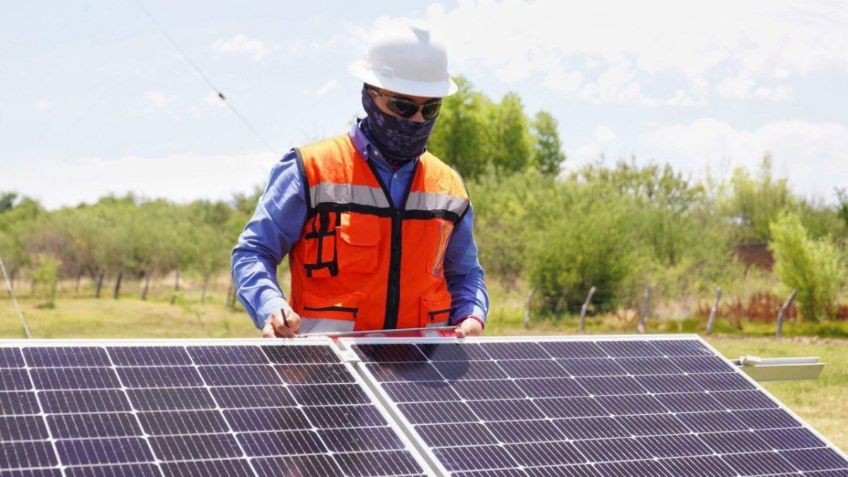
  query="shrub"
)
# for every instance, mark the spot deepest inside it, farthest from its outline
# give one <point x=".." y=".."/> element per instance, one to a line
<point x="814" y="268"/>
<point x="585" y="244"/>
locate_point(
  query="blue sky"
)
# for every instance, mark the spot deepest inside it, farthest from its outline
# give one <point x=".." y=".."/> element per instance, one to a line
<point x="94" y="99"/>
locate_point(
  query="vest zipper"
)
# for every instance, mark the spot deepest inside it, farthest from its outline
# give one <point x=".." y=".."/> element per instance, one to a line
<point x="393" y="291"/>
<point x="393" y="287"/>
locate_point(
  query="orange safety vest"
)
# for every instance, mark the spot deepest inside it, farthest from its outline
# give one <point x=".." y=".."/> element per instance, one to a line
<point x="362" y="262"/>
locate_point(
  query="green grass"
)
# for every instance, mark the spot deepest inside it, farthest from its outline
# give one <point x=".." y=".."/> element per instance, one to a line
<point x="126" y="318"/>
<point x="822" y="403"/>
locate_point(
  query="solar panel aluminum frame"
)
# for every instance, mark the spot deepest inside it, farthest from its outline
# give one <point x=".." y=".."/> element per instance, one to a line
<point x="347" y="343"/>
<point x="344" y="359"/>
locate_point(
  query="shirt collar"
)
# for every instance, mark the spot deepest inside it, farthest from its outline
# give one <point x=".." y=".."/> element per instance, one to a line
<point x="360" y="142"/>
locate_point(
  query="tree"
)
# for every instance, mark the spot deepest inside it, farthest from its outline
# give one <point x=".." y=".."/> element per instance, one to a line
<point x="755" y="202"/>
<point x="460" y="136"/>
<point x="16" y="219"/>
<point x="7" y="201"/>
<point x="842" y="195"/>
<point x="584" y="244"/>
<point x="512" y="144"/>
<point x="211" y="236"/>
<point x="815" y="268"/>
<point x="548" y="154"/>
<point x="46" y="273"/>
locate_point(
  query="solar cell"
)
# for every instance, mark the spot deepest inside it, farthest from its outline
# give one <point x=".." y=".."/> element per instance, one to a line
<point x="223" y="408"/>
<point x="588" y="406"/>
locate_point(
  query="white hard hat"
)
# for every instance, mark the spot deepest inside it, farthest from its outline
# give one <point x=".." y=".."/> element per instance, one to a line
<point x="407" y="58"/>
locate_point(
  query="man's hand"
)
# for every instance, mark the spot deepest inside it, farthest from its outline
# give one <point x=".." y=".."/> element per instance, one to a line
<point x="469" y="327"/>
<point x="279" y="326"/>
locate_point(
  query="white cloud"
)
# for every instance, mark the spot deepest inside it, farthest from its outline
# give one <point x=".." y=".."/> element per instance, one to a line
<point x="155" y="100"/>
<point x="738" y="87"/>
<point x="814" y="156"/>
<point x="564" y="82"/>
<point x="43" y="104"/>
<point x="583" y="154"/>
<point x="604" y="134"/>
<point x="181" y="177"/>
<point x="326" y="88"/>
<point x="616" y="85"/>
<point x="323" y="90"/>
<point x="242" y="43"/>
<point x="742" y="46"/>
<point x="682" y="98"/>
<point x="778" y="93"/>
<point x="743" y="86"/>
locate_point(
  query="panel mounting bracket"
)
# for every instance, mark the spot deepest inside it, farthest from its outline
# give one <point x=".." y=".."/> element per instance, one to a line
<point x="780" y="369"/>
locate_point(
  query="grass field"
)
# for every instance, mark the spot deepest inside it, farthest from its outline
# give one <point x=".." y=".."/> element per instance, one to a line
<point x="823" y="403"/>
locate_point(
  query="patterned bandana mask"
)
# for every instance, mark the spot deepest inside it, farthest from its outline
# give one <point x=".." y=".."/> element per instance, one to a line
<point x="399" y="140"/>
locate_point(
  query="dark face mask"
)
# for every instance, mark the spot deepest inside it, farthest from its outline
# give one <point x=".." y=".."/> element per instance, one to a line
<point x="398" y="140"/>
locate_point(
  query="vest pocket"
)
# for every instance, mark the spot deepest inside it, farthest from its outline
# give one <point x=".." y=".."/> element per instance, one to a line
<point x="434" y="311"/>
<point x="344" y="307"/>
<point x="438" y="235"/>
<point x="359" y="239"/>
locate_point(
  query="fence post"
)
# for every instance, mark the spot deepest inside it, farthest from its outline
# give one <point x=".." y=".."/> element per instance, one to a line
<point x="643" y="313"/>
<point x="527" y="308"/>
<point x="146" y="285"/>
<point x="585" y="308"/>
<point x="118" y="284"/>
<point x="99" y="283"/>
<point x="782" y="313"/>
<point x="176" y="287"/>
<point x="713" y="311"/>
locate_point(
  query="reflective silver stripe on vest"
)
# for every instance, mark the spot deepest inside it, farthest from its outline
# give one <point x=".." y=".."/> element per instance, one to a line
<point x="328" y="192"/>
<point x="324" y="325"/>
<point x="429" y="201"/>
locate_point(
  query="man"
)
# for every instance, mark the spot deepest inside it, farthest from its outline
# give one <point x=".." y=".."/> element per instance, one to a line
<point x="378" y="230"/>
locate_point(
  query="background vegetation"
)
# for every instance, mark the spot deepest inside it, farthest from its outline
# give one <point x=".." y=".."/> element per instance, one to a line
<point x="542" y="225"/>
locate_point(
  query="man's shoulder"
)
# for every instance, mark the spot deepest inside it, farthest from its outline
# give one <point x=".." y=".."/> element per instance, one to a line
<point x="438" y="166"/>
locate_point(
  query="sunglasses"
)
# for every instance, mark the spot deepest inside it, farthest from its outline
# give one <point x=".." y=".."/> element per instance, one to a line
<point x="406" y="108"/>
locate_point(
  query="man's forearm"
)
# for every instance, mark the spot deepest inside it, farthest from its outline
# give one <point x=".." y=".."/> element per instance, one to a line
<point x="470" y="296"/>
<point x="256" y="283"/>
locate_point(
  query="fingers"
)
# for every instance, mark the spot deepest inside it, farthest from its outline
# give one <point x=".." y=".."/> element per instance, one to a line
<point x="294" y="322"/>
<point x="469" y="327"/>
<point x="268" y="330"/>
<point x="278" y="326"/>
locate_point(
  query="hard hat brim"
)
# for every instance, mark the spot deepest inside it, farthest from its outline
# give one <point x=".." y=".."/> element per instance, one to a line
<point x="430" y="89"/>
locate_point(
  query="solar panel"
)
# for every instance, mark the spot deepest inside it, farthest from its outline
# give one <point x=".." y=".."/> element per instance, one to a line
<point x="229" y="408"/>
<point x="589" y="406"/>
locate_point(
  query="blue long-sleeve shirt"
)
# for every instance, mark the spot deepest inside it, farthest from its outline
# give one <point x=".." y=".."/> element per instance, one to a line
<point x="278" y="222"/>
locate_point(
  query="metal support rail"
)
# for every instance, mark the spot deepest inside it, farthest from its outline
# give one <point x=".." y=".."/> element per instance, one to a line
<point x="780" y="369"/>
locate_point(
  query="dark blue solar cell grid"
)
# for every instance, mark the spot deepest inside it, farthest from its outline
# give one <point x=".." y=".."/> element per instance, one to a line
<point x="207" y="355"/>
<point x="190" y="410"/>
<point x="14" y="380"/>
<point x="61" y="357"/>
<point x="150" y="356"/>
<point x="11" y="358"/>
<point x="591" y="408"/>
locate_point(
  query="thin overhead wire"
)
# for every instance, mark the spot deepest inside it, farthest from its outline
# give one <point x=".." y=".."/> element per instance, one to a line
<point x="203" y="75"/>
<point x="15" y="300"/>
